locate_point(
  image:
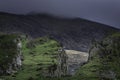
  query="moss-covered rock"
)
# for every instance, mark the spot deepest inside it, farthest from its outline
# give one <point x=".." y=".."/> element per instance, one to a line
<point x="104" y="60"/>
<point x="10" y="53"/>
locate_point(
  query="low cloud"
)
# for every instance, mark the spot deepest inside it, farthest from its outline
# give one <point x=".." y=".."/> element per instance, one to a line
<point x="103" y="11"/>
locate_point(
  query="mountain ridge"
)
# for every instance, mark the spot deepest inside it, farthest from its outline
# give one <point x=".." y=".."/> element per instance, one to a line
<point x="76" y="34"/>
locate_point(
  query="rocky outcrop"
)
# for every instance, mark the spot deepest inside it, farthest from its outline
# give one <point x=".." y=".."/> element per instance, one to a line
<point x="108" y="52"/>
<point x="75" y="60"/>
<point x="60" y="68"/>
<point x="68" y="62"/>
<point x="15" y="65"/>
<point x="11" y="55"/>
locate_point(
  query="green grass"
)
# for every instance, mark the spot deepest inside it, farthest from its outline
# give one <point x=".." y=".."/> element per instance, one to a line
<point x="39" y="56"/>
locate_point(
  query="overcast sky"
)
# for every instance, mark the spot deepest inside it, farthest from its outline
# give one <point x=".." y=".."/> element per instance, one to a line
<point x="103" y="11"/>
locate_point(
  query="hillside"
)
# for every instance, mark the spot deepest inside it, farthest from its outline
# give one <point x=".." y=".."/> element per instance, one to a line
<point x="44" y="47"/>
<point x="104" y="61"/>
<point x="41" y="58"/>
<point x="75" y="34"/>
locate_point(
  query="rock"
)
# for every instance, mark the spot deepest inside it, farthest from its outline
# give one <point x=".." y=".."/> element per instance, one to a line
<point x="62" y="68"/>
<point x="59" y="69"/>
<point x="107" y="52"/>
<point x="75" y="60"/>
<point x="13" y="61"/>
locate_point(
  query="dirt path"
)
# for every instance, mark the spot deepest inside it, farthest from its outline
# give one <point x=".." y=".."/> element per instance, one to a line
<point x="75" y="60"/>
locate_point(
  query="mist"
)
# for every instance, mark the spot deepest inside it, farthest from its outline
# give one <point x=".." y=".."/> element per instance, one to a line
<point x="102" y="11"/>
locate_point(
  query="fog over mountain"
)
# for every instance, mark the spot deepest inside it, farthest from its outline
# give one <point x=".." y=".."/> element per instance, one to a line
<point x="73" y="34"/>
<point x="103" y="11"/>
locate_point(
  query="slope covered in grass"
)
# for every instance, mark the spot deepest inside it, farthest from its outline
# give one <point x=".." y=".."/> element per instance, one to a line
<point x="38" y="55"/>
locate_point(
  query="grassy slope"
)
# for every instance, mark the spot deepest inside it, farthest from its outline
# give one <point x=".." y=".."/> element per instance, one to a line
<point x="89" y="70"/>
<point x="109" y="61"/>
<point x="39" y="56"/>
